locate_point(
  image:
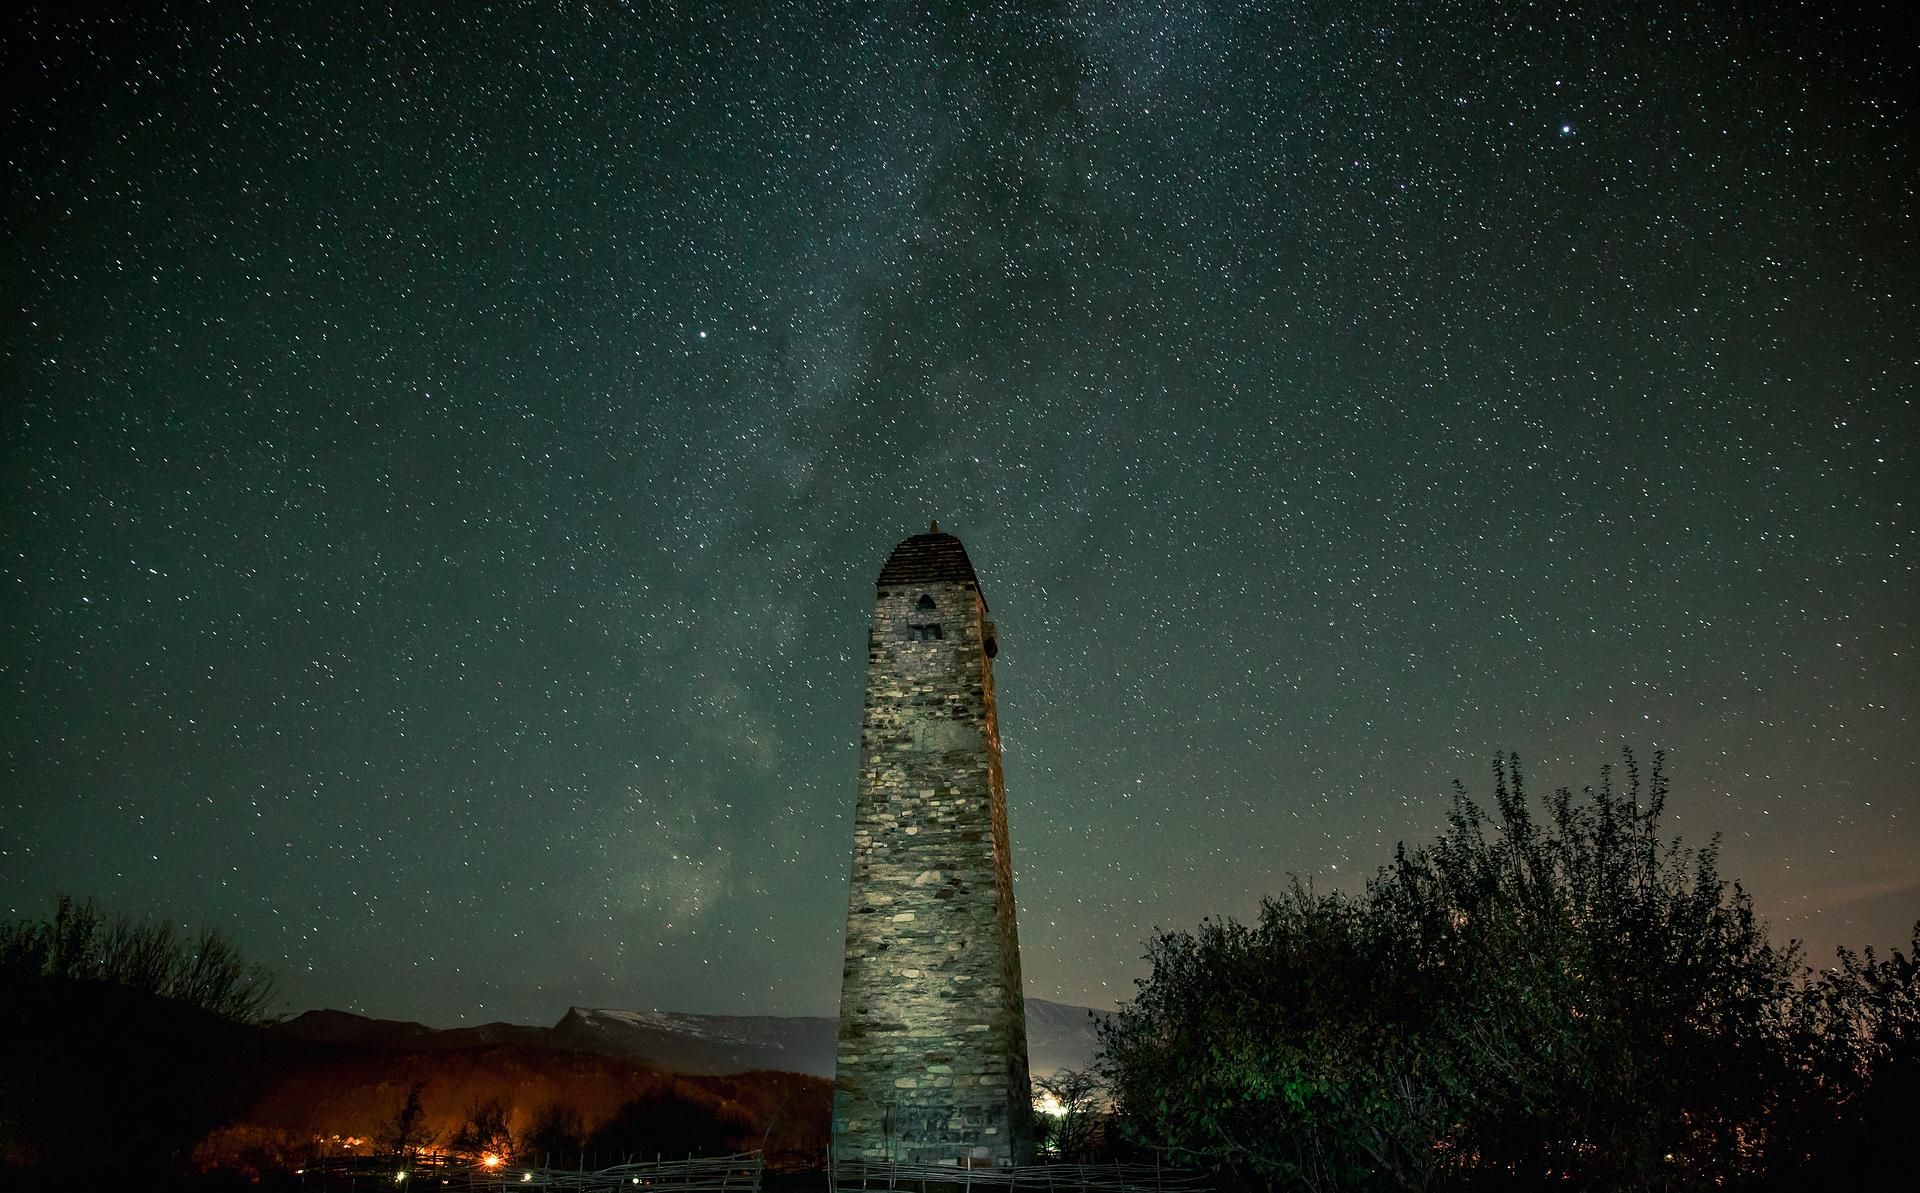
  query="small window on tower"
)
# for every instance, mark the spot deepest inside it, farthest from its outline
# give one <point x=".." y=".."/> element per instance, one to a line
<point x="920" y="626"/>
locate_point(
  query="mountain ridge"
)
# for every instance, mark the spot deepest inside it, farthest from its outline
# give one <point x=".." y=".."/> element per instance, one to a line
<point x="1059" y="1035"/>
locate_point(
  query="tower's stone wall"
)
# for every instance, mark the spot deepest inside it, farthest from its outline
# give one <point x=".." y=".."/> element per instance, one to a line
<point x="932" y="1063"/>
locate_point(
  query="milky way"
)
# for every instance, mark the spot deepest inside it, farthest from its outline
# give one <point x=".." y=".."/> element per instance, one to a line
<point x="447" y="456"/>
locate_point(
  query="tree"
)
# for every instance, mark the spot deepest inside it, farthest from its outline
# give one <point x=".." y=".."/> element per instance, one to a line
<point x="1259" y="1051"/>
<point x="1888" y="1012"/>
<point x="1858" y="1088"/>
<point x="1067" y="1121"/>
<point x="667" y="1123"/>
<point x="556" y="1130"/>
<point x="406" y="1132"/>
<point x="79" y="944"/>
<point x="1573" y="1001"/>
<point x="485" y="1130"/>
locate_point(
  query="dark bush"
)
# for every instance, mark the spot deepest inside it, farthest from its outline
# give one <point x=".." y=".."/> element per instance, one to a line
<point x="1575" y="1002"/>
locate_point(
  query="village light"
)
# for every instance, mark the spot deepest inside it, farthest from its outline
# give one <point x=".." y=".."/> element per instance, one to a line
<point x="490" y="1160"/>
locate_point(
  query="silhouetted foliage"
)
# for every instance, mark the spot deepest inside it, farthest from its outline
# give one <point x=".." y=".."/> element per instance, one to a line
<point x="115" y="1079"/>
<point x="78" y="943"/>
<point x="484" y="1130"/>
<point x="1519" y="1003"/>
<point x="556" y="1130"/>
<point x="663" y="1124"/>
<point x="1069" y="1129"/>
<point x="406" y="1131"/>
<point x="1858" y="1092"/>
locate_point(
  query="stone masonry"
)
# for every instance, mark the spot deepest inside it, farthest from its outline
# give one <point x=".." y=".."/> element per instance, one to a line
<point x="932" y="1064"/>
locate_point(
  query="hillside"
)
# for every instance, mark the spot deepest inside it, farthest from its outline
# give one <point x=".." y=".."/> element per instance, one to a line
<point x="1058" y="1036"/>
<point x="102" y="1075"/>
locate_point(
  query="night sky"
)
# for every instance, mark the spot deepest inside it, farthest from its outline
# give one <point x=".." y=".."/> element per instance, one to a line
<point x="446" y="455"/>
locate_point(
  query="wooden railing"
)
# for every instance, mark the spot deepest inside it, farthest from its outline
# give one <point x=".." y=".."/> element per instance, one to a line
<point x="739" y="1173"/>
<point x="852" y="1176"/>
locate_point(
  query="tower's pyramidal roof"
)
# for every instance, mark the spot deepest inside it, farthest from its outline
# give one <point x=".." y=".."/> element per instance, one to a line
<point x="929" y="558"/>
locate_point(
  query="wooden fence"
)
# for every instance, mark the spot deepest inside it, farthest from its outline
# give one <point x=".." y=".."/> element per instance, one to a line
<point x="742" y="1173"/>
<point x="699" y="1174"/>
<point x="853" y="1176"/>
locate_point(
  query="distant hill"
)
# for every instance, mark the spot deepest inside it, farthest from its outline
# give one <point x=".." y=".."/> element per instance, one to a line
<point x="108" y="1080"/>
<point x="359" y="1031"/>
<point x="114" y="1079"/>
<point x="1058" y="1036"/>
<point x="355" y="1072"/>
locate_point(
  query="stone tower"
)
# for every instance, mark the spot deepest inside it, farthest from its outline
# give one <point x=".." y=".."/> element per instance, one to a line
<point x="932" y="1064"/>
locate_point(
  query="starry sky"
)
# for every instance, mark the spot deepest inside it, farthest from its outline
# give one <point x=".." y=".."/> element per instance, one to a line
<point x="446" y="451"/>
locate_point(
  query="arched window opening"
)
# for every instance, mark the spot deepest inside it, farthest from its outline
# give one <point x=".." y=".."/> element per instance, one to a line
<point x="926" y="601"/>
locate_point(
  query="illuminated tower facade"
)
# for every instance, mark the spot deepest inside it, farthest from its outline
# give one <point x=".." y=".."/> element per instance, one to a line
<point x="932" y="1063"/>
